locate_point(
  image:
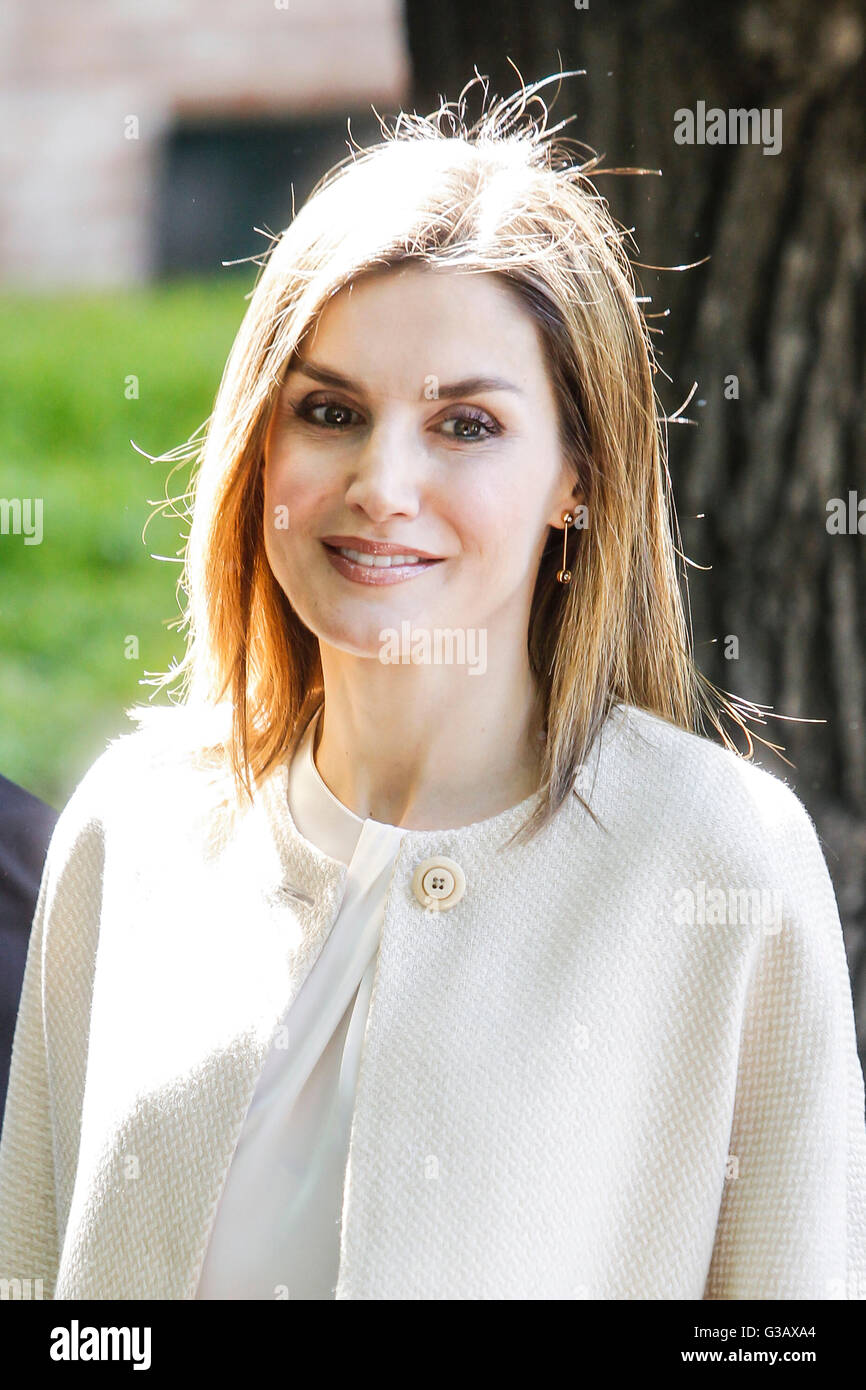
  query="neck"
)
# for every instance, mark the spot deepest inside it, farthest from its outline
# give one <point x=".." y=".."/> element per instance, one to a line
<point x="423" y="747"/>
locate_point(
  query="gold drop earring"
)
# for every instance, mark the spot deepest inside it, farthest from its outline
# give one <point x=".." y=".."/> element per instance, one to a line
<point x="564" y="575"/>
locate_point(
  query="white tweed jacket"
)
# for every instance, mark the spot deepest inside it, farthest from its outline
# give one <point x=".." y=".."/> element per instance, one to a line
<point x="622" y="1066"/>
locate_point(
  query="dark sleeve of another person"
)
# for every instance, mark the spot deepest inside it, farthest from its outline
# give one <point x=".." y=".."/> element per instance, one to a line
<point x="26" y="825"/>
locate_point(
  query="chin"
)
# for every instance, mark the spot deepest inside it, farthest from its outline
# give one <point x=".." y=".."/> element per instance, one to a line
<point x="356" y="634"/>
<point x="352" y="645"/>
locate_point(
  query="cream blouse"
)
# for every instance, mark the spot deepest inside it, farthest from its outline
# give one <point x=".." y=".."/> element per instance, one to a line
<point x="277" y="1229"/>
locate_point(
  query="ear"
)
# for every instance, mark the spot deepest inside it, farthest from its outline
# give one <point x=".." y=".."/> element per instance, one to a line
<point x="567" y="503"/>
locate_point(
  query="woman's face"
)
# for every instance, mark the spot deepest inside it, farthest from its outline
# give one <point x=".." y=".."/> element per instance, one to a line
<point x="421" y="415"/>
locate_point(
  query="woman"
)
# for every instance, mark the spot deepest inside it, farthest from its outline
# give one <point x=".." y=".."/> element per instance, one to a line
<point x="427" y="951"/>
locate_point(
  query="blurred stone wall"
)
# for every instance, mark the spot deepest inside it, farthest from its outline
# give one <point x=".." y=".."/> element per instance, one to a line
<point x="88" y="92"/>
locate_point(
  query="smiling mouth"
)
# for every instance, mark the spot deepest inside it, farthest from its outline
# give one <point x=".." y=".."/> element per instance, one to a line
<point x="366" y="568"/>
<point x="362" y="557"/>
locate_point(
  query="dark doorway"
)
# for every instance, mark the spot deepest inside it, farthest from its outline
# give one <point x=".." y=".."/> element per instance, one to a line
<point x="218" y="180"/>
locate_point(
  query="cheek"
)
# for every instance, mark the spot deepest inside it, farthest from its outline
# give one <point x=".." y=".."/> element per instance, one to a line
<point x="502" y="531"/>
<point x="293" y="494"/>
<point x="471" y="507"/>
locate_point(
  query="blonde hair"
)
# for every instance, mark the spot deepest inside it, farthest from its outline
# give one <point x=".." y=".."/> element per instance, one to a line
<point x="502" y="196"/>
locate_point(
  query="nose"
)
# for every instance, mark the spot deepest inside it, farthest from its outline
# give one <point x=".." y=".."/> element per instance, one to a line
<point x="384" y="476"/>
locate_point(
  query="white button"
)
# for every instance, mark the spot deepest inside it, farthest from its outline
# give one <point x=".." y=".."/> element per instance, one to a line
<point x="438" y="883"/>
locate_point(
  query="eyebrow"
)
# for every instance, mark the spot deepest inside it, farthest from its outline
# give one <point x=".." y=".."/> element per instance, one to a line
<point x="469" y="386"/>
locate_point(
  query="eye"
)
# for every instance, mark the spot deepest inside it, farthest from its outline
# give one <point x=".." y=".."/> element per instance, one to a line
<point x="478" y="425"/>
<point x="471" y="425"/>
<point x="336" y="416"/>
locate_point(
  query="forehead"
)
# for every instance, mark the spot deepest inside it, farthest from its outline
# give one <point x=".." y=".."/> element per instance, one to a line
<point x="391" y="328"/>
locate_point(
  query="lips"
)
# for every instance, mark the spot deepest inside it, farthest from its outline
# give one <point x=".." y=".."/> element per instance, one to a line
<point x="369" y="567"/>
<point x="368" y="547"/>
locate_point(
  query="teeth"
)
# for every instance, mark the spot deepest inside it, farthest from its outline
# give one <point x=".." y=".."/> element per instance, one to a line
<point x="362" y="557"/>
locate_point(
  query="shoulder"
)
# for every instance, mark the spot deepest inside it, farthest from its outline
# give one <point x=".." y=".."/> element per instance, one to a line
<point x="148" y="798"/>
<point x="149" y="775"/>
<point x="700" y="792"/>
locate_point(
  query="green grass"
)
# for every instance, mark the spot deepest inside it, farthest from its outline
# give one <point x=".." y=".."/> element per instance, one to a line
<point x="68" y="605"/>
